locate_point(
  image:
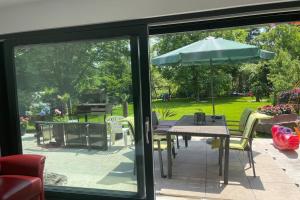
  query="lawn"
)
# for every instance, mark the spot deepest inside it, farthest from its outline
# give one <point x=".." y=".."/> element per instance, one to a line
<point x="231" y="107"/>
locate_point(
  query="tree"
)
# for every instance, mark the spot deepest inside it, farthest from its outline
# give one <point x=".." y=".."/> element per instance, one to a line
<point x="72" y="68"/>
<point x="258" y="79"/>
<point x="194" y="81"/>
<point x="284" y="40"/>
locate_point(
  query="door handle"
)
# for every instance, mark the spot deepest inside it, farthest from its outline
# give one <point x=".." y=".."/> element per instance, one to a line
<point x="147" y="129"/>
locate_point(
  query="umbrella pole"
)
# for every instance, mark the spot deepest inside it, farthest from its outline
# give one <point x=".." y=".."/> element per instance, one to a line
<point x="212" y="89"/>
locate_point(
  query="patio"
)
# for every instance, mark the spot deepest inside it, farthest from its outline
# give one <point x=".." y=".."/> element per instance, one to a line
<point x="195" y="171"/>
<point x="195" y="174"/>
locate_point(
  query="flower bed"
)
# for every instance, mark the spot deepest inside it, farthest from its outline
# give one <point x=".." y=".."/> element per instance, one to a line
<point x="277" y="110"/>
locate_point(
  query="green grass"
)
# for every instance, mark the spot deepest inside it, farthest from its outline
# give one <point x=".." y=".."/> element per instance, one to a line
<point x="231" y="107"/>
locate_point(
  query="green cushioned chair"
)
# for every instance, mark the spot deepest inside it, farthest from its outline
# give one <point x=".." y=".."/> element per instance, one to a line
<point x="159" y="144"/>
<point x="237" y="127"/>
<point x="244" y="142"/>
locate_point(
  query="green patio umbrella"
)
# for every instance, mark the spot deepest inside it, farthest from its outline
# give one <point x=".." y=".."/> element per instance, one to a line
<point x="212" y="51"/>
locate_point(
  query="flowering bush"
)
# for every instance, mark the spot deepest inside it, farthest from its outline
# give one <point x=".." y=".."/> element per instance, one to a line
<point x="59" y="116"/>
<point x="289" y="96"/>
<point x="277" y="110"/>
<point x="37" y="106"/>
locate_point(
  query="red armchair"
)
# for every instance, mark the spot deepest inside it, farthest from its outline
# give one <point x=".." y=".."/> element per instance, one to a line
<point x="21" y="177"/>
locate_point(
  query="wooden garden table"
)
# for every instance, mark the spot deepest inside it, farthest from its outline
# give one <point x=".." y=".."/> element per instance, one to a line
<point x="212" y="128"/>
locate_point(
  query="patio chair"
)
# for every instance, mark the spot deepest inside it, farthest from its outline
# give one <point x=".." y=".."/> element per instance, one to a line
<point x="130" y="122"/>
<point x="96" y="136"/>
<point x="159" y="144"/>
<point x="45" y="133"/>
<point x="244" y="142"/>
<point x="156" y="124"/>
<point x="114" y="127"/>
<point x="239" y="126"/>
<point x="159" y="136"/>
<point x="75" y="134"/>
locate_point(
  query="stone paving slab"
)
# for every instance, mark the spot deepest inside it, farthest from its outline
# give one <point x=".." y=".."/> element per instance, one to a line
<point x="195" y="171"/>
<point x="94" y="169"/>
<point x="197" y="177"/>
<point x="287" y="161"/>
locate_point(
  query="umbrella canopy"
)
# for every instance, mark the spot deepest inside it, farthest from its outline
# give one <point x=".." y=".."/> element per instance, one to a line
<point x="212" y="51"/>
<point x="215" y="50"/>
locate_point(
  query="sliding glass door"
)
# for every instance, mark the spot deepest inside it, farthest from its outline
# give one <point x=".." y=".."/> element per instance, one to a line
<point x="78" y="101"/>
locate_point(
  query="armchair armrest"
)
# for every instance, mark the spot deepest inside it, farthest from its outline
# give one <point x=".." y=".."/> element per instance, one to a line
<point x="27" y="165"/>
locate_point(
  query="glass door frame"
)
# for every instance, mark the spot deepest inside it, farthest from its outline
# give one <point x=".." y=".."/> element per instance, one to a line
<point x="138" y="35"/>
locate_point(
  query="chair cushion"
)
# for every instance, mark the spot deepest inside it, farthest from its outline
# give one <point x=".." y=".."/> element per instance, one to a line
<point x="249" y="128"/>
<point x="16" y="187"/>
<point x="244" y="117"/>
<point x="235" y="144"/>
<point x="235" y="132"/>
<point x="163" y="145"/>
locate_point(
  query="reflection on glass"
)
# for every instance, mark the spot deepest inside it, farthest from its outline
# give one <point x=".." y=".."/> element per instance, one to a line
<point x="74" y="98"/>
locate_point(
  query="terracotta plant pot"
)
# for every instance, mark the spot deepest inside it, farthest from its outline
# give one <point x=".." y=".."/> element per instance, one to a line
<point x="297" y="130"/>
<point x="23" y="130"/>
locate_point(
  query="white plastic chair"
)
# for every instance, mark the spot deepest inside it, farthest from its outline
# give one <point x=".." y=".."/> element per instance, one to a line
<point x="115" y="126"/>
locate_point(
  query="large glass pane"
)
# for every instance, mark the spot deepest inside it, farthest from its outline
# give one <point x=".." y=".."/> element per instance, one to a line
<point x="75" y="100"/>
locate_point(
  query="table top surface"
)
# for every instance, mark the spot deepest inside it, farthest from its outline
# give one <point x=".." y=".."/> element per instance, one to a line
<point x="187" y="126"/>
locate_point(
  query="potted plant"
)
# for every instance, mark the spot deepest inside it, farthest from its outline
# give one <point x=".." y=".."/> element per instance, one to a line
<point x="58" y="130"/>
<point x="24" y="120"/>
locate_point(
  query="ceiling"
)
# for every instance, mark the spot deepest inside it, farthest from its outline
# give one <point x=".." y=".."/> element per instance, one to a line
<point x="30" y="15"/>
<point x="4" y="3"/>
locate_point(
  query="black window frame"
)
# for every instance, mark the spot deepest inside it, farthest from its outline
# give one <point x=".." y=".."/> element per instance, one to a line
<point x="12" y="144"/>
<point x="204" y="20"/>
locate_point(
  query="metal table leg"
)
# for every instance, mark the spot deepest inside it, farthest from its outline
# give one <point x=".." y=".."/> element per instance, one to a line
<point x="221" y="149"/>
<point x="186" y="142"/>
<point x="226" y="164"/>
<point x="169" y="155"/>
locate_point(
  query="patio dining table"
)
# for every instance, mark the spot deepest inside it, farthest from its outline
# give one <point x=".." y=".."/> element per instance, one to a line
<point x="211" y="128"/>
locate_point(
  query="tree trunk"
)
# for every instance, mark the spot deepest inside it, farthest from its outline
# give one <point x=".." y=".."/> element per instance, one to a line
<point x="198" y="93"/>
<point x="66" y="109"/>
<point x="257" y="98"/>
<point x="125" y="109"/>
<point x="275" y="98"/>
